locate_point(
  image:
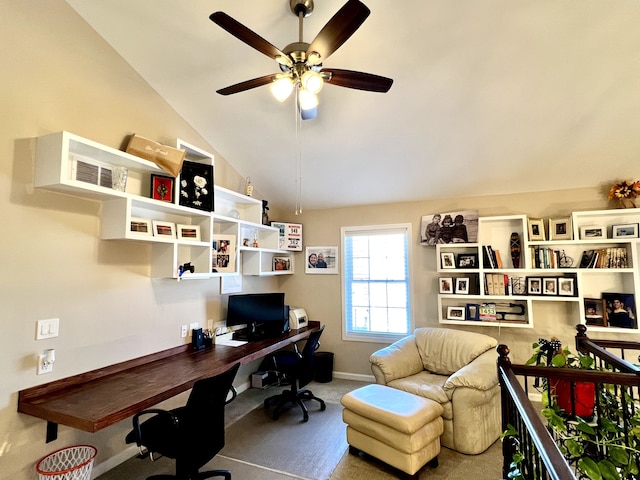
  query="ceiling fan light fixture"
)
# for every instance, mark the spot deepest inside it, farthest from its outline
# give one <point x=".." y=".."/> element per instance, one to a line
<point x="281" y="88"/>
<point x="307" y="100"/>
<point x="312" y="82"/>
<point x="314" y="58"/>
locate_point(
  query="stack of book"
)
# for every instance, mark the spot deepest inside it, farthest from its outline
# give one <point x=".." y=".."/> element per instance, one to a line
<point x="545" y="257"/>
<point x="612" y="257"/>
<point x="502" y="284"/>
<point x="490" y="257"/>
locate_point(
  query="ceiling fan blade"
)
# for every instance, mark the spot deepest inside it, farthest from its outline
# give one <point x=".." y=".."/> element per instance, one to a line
<point x="358" y="80"/>
<point x="247" y="85"/>
<point x="338" y="30"/>
<point x="245" y="35"/>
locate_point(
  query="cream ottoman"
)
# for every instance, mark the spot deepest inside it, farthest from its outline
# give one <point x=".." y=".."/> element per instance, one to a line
<point x="399" y="428"/>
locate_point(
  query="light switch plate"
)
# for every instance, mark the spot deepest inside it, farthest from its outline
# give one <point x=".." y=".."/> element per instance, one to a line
<point x="48" y="328"/>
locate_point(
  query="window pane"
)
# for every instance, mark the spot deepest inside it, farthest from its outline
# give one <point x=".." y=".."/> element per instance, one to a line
<point x="376" y="280"/>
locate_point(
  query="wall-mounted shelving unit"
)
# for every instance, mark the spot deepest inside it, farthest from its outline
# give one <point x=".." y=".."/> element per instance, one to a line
<point x="587" y="282"/>
<point x="58" y="158"/>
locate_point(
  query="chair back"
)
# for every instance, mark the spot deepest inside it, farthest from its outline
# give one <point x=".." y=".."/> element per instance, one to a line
<point x="306" y="366"/>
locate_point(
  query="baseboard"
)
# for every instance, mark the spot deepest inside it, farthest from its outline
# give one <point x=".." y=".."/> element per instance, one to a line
<point x="354" y="376"/>
<point x="114" y="461"/>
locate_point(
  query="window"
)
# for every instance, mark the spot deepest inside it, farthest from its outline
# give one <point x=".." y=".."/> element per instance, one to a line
<point x="375" y="283"/>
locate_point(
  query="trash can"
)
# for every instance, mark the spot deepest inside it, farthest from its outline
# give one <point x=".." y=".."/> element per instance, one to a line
<point x="324" y="367"/>
<point x="71" y="463"/>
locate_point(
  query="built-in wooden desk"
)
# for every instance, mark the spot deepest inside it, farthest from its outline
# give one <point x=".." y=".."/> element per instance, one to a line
<point x="94" y="400"/>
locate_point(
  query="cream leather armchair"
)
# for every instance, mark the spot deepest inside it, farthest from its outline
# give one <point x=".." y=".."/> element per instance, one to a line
<point x="456" y="369"/>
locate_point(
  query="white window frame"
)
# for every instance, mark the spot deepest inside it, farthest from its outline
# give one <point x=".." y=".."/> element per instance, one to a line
<point x="377" y="337"/>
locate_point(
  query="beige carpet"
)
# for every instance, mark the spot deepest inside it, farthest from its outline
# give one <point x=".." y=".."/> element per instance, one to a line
<point x="279" y="445"/>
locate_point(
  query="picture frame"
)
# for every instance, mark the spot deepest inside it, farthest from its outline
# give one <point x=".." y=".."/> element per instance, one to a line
<point x="449" y="227"/>
<point x="447" y="260"/>
<point x="162" y="188"/>
<point x="164" y="229"/>
<point x="550" y="286"/>
<point x="467" y="260"/>
<point x="281" y="264"/>
<point x="560" y="229"/>
<point x="462" y="285"/>
<point x="534" y="286"/>
<point x="196" y="186"/>
<point x="445" y="284"/>
<point x="140" y="226"/>
<point x="473" y="311"/>
<point x="624" y="230"/>
<point x="536" y="230"/>
<point x="567" y="286"/>
<point x="321" y="260"/>
<point x="223" y="254"/>
<point x="289" y="236"/>
<point x="456" y="313"/>
<point x="620" y="310"/>
<point x="594" y="312"/>
<point x="188" y="232"/>
<point x="591" y="232"/>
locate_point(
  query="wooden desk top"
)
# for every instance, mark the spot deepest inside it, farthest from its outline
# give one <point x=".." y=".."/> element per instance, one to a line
<point x="97" y="399"/>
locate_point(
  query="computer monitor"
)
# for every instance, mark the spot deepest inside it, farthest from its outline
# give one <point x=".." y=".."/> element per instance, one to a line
<point x="264" y="314"/>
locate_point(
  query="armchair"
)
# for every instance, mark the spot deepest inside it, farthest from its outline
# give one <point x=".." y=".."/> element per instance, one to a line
<point x="192" y="434"/>
<point x="454" y="368"/>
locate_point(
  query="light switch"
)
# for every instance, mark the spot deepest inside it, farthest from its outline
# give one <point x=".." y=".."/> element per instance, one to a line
<point x="48" y="328"/>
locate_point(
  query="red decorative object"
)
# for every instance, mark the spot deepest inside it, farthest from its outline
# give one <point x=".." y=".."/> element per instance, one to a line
<point x="585" y="396"/>
<point x="162" y="188"/>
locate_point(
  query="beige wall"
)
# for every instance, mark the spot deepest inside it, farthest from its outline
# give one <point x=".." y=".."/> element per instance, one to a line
<point x="59" y="75"/>
<point x="321" y="296"/>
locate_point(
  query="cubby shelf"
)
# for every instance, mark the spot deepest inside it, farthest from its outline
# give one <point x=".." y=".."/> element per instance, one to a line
<point x="56" y="169"/>
<point x="588" y="282"/>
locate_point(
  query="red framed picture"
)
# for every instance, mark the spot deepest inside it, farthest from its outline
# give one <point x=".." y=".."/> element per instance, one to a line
<point x="162" y="188"/>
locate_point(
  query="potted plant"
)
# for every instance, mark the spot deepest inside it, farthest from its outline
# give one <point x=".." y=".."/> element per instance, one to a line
<point x="552" y="354"/>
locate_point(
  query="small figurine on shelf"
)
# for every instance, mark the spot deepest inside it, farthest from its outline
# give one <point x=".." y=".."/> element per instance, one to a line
<point x="249" y="189"/>
<point x="265" y="210"/>
<point x="255" y="243"/>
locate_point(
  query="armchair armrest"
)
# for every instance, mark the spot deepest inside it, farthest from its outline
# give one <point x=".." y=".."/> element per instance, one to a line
<point x="170" y="416"/>
<point x="481" y="374"/>
<point x="398" y="360"/>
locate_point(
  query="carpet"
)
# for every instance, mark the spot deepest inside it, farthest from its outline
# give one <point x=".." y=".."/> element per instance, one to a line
<point x="280" y="444"/>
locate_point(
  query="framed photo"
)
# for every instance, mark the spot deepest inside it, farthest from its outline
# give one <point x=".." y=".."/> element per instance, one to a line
<point x="281" y="264"/>
<point x="567" y="286"/>
<point x="462" y="285"/>
<point x="560" y="228"/>
<point x="223" y="254"/>
<point x="534" y="286"/>
<point x="446" y="284"/>
<point x="322" y="260"/>
<point x="467" y="260"/>
<point x="536" y="229"/>
<point x="594" y="312"/>
<point x="456" y="313"/>
<point x="162" y="188"/>
<point x="620" y="310"/>
<point x="626" y="230"/>
<point x="196" y="186"/>
<point x="189" y="232"/>
<point x="591" y="232"/>
<point x="141" y="226"/>
<point x="550" y="286"/>
<point x="473" y="311"/>
<point x="289" y="236"/>
<point x="447" y="260"/>
<point x="452" y="227"/>
<point x="164" y="229"/>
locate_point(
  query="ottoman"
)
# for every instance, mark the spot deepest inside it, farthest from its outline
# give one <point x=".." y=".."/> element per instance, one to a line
<point x="399" y="428"/>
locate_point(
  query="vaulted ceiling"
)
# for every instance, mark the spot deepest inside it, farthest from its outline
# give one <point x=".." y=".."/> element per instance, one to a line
<point x="489" y="96"/>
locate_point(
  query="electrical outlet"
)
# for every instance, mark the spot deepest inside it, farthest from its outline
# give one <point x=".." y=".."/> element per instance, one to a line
<point x="183" y="331"/>
<point x="42" y="367"/>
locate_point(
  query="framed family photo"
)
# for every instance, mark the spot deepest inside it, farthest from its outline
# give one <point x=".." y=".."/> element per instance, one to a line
<point x="164" y="229"/>
<point x="592" y="232"/>
<point x="627" y="230"/>
<point x="594" y="312"/>
<point x="560" y="228"/>
<point x="467" y="260"/>
<point x="141" y="226"/>
<point x="451" y="227"/>
<point x="321" y="260"/>
<point x="456" y="313"/>
<point x="447" y="260"/>
<point x="536" y="230"/>
<point x="445" y="285"/>
<point x="189" y="232"/>
<point x="223" y="254"/>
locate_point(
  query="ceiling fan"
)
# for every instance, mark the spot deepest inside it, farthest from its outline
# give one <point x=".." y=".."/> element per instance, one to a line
<point x="300" y="62"/>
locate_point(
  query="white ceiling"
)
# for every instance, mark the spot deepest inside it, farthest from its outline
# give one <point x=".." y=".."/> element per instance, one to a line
<point x="489" y="96"/>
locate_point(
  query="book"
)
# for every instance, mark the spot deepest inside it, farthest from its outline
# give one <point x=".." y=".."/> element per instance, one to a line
<point x="587" y="258"/>
<point x="498" y="259"/>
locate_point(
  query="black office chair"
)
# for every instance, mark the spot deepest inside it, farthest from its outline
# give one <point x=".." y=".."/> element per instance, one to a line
<point x="298" y="368"/>
<point x="193" y="434"/>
